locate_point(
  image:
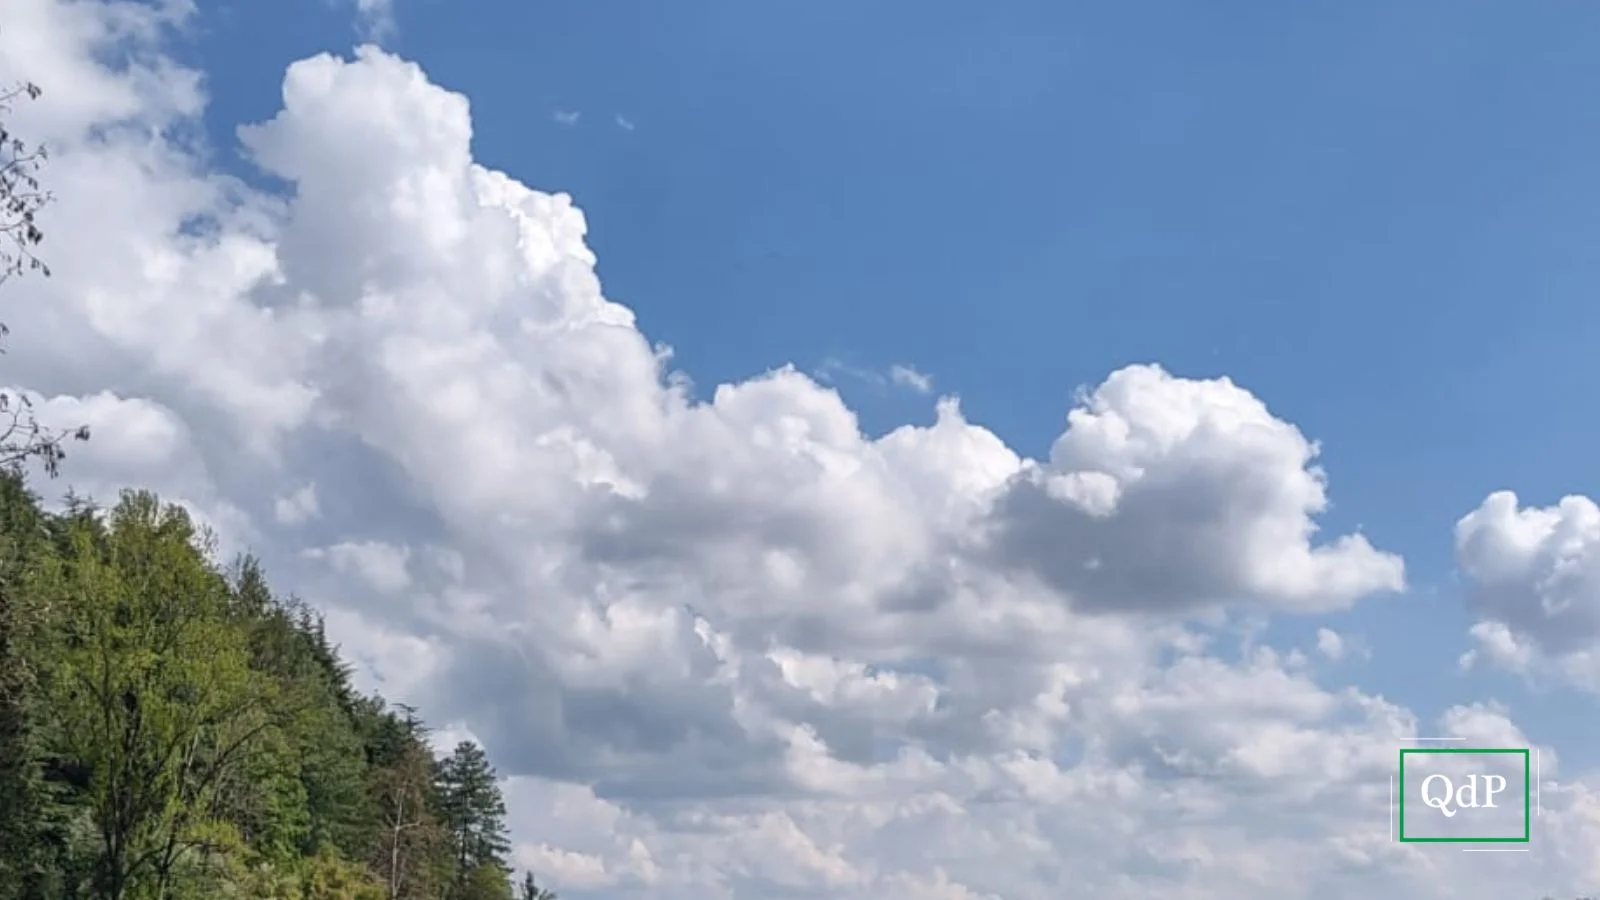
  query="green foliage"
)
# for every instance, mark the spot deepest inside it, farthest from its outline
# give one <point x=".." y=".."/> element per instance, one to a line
<point x="332" y="878"/>
<point x="472" y="812"/>
<point x="155" y="697"/>
<point x="530" y="889"/>
<point x="484" y="882"/>
<point x="171" y="729"/>
<point x="409" y="853"/>
<point x="24" y="799"/>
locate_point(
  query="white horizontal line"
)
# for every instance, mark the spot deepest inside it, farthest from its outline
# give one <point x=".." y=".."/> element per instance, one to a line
<point x="1494" y="849"/>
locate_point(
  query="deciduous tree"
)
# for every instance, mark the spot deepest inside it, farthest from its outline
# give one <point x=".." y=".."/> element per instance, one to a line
<point x="411" y="849"/>
<point x="157" y="703"/>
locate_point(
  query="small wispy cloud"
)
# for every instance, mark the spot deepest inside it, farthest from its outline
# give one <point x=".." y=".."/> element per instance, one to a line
<point x="907" y="377"/>
<point x="565" y="117"/>
<point x="374" y="19"/>
<point x="1335" y="646"/>
<point x="624" y="124"/>
<point x="832" y="371"/>
<point x="298" y="507"/>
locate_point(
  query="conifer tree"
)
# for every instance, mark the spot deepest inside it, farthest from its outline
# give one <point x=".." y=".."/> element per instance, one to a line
<point x="472" y="810"/>
<point x="532" y="891"/>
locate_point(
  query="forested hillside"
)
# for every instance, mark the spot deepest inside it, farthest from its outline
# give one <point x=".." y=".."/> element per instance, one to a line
<point x="171" y="728"/>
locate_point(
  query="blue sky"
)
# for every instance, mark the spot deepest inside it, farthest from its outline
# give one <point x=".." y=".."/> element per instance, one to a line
<point x="1380" y="219"/>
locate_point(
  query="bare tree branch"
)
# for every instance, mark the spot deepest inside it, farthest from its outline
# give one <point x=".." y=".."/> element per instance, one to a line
<point x="22" y="437"/>
<point x="21" y="196"/>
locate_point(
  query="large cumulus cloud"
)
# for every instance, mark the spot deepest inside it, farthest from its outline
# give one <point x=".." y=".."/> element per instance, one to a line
<point x="724" y="643"/>
<point x="1166" y="493"/>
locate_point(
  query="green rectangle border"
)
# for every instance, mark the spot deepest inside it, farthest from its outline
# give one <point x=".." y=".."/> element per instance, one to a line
<point x="1527" y="790"/>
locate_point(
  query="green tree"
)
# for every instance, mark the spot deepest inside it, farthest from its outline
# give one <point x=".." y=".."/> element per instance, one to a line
<point x="24" y="807"/>
<point x="410" y="845"/>
<point x="532" y="891"/>
<point x="332" y="878"/>
<point x="472" y="811"/>
<point x="485" y="882"/>
<point x="309" y="793"/>
<point x="31" y="823"/>
<point x="318" y="798"/>
<point x="155" y="698"/>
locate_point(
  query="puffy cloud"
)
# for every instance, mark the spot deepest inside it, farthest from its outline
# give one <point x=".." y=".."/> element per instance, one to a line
<point x="382" y="566"/>
<point x="1167" y="493"/>
<point x="296" y="507"/>
<point x="1533" y="578"/>
<point x="727" y="647"/>
<point x="1330" y="643"/>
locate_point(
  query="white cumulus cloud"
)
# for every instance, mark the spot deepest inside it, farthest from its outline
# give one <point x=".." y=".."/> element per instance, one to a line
<point x="732" y="647"/>
<point x="1534" y="581"/>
